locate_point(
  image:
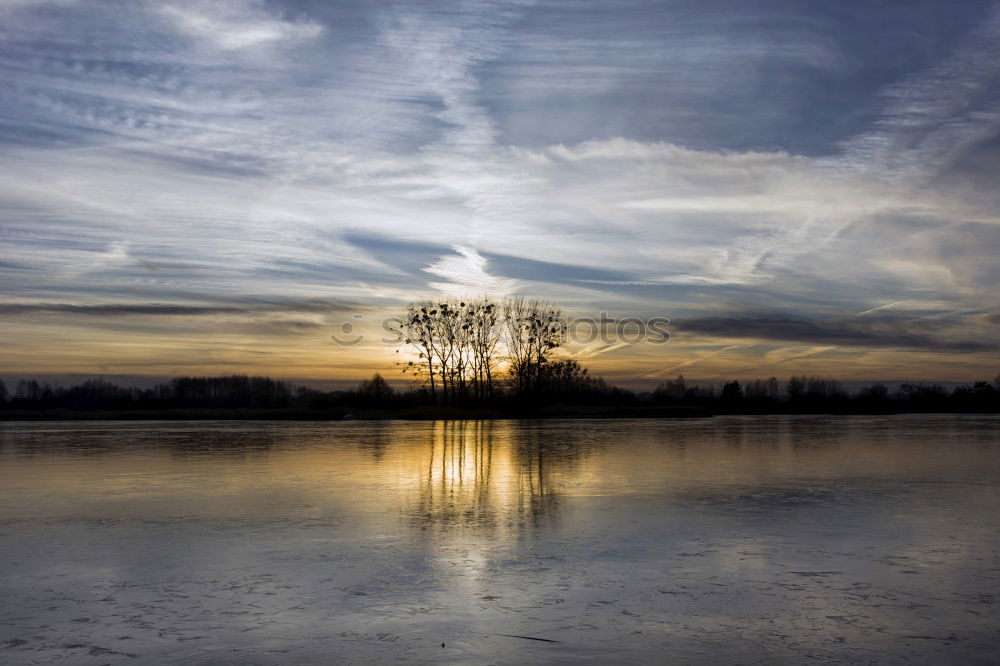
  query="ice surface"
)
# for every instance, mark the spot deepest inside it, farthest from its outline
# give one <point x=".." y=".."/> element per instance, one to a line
<point x="727" y="540"/>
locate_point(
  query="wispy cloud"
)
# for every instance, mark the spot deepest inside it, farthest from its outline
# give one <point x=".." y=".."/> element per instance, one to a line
<point x="698" y="357"/>
<point x="667" y="158"/>
<point x="466" y="272"/>
<point x="880" y="307"/>
<point x="177" y="309"/>
<point x="932" y="115"/>
<point x="237" y="24"/>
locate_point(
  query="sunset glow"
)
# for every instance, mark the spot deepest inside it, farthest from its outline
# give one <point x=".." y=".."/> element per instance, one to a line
<point x="207" y="188"/>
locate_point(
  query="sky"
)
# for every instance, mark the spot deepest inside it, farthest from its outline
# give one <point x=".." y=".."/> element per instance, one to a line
<point x="219" y="187"/>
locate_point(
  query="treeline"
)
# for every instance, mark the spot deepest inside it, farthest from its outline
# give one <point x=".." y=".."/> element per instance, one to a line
<point x="806" y="393"/>
<point x="562" y="381"/>
<point x="556" y="382"/>
<point x="182" y="393"/>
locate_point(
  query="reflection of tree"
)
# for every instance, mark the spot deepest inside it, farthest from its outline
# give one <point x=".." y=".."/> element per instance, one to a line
<point x="494" y="475"/>
<point x="375" y="438"/>
<point x="812" y="433"/>
<point x="233" y="440"/>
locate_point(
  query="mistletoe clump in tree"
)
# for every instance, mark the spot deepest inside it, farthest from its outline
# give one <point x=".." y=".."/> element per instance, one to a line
<point x="461" y="345"/>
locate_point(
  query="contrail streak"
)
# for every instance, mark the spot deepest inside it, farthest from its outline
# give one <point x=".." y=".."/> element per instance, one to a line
<point x="881" y="307"/>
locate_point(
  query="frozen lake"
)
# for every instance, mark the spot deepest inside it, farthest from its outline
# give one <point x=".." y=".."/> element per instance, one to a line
<point x="727" y="540"/>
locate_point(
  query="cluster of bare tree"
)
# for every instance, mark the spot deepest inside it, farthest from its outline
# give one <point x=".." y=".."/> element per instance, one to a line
<point x="464" y="347"/>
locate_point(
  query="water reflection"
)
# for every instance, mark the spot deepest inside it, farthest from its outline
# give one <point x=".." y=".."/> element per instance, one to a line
<point x="376" y="438"/>
<point x="178" y="439"/>
<point x="499" y="476"/>
<point x="766" y="540"/>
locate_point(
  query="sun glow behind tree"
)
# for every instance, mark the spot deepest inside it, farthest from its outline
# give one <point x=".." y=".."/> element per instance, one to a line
<point x="461" y="345"/>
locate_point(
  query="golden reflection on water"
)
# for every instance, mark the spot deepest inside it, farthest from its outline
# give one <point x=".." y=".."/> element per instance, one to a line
<point x="500" y="478"/>
<point x="745" y="539"/>
<point x="488" y="474"/>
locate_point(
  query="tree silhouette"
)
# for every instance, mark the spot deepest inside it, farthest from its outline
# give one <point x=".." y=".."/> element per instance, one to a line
<point x="376" y="389"/>
<point x="532" y="331"/>
<point x="731" y="392"/>
<point x="461" y="344"/>
<point x="28" y="390"/>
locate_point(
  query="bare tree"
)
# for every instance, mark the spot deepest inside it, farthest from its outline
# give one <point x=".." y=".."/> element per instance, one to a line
<point x="532" y="330"/>
<point x="461" y="343"/>
<point x="763" y="389"/>
<point x="375" y="389"/>
<point x="672" y="390"/>
<point x="28" y="390"/>
<point x="417" y="328"/>
<point x="485" y="337"/>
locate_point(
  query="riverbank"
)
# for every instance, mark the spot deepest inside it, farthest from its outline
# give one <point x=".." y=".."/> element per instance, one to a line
<point x="418" y="413"/>
<point x="421" y="413"/>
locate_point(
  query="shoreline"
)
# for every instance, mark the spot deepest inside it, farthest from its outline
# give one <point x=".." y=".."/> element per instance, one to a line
<point x="425" y="414"/>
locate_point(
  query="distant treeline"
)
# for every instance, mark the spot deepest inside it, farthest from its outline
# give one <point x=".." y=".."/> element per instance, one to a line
<point x="559" y="381"/>
<point x="562" y="382"/>
<point x="807" y="393"/>
<point x="182" y="392"/>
